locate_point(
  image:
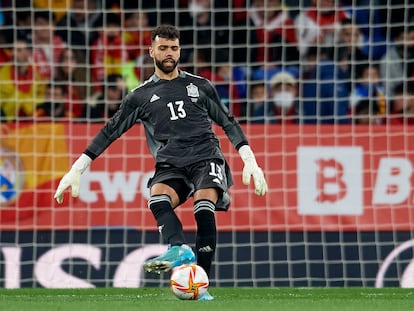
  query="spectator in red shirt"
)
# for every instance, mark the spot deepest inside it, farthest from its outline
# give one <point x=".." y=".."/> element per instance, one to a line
<point x="47" y="46"/>
<point x="271" y="35"/>
<point x="108" y="51"/>
<point x="72" y="73"/>
<point x="136" y="34"/>
<point x="319" y="24"/>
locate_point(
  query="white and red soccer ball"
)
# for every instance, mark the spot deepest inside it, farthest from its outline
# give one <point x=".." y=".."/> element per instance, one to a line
<point x="189" y="282"/>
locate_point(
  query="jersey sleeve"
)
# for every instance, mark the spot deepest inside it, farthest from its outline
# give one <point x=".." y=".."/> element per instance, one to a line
<point x="219" y="113"/>
<point x="127" y="115"/>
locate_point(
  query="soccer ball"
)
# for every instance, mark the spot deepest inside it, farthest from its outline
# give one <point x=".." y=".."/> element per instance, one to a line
<point x="189" y="282"/>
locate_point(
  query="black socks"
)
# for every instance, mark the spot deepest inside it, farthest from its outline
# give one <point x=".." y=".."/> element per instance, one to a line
<point x="206" y="233"/>
<point x="171" y="229"/>
<point x="169" y="225"/>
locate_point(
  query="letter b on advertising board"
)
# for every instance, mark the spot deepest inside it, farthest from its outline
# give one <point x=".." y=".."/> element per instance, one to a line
<point x="330" y="180"/>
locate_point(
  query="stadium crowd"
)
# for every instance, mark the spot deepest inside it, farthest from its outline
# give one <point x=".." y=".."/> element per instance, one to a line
<point x="272" y="61"/>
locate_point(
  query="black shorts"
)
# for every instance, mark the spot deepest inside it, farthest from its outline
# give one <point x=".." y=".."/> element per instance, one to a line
<point x="201" y="175"/>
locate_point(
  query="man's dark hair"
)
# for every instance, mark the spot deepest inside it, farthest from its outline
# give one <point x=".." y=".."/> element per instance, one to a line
<point x="347" y="21"/>
<point x="112" y="19"/>
<point x="111" y="81"/>
<point x="367" y="106"/>
<point x="360" y="67"/>
<point x="165" y="31"/>
<point x="45" y="14"/>
<point x="60" y="86"/>
<point x="404" y="88"/>
<point x="23" y="14"/>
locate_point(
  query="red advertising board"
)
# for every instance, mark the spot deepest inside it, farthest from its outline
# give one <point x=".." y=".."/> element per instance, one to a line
<point x="321" y="178"/>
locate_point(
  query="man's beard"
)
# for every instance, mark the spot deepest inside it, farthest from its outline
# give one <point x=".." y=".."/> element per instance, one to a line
<point x="165" y="69"/>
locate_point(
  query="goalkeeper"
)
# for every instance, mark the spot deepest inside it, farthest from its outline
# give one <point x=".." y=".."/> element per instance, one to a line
<point x="176" y="109"/>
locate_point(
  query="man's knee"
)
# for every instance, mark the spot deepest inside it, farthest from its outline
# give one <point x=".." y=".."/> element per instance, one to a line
<point x="210" y="194"/>
<point x="163" y="189"/>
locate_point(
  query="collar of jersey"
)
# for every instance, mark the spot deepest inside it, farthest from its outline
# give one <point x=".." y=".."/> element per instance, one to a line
<point x="181" y="74"/>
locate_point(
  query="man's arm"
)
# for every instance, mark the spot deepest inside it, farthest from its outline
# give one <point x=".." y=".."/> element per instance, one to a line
<point x="123" y="120"/>
<point x="220" y="114"/>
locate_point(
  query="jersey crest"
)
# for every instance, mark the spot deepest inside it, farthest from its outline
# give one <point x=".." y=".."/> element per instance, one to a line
<point x="192" y="90"/>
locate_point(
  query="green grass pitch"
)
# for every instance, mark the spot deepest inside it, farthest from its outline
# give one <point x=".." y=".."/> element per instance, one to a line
<point x="228" y="299"/>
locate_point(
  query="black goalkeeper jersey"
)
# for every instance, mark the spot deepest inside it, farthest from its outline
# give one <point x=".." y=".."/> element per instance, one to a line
<point x="177" y="115"/>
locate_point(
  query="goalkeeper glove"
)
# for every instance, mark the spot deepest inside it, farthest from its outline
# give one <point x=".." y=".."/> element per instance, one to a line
<point x="72" y="178"/>
<point x="252" y="169"/>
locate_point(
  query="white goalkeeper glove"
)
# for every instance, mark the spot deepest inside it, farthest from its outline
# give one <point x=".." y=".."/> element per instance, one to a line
<point x="252" y="169"/>
<point x="72" y="178"/>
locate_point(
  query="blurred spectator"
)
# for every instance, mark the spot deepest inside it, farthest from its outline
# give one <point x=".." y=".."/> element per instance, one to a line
<point x="146" y="68"/>
<point x="136" y="72"/>
<point x="6" y="11"/>
<point x="23" y="23"/>
<point x="402" y="104"/>
<point x="275" y="33"/>
<point x="21" y="85"/>
<point x="139" y="72"/>
<point x="219" y="71"/>
<point x="6" y="39"/>
<point x="58" y="7"/>
<point x="108" y="51"/>
<point x="271" y="34"/>
<point x="159" y="11"/>
<point x="347" y="50"/>
<point x="367" y="16"/>
<point x="283" y="92"/>
<point x="366" y="112"/>
<point x="78" y="27"/>
<point x="2" y="15"/>
<point x="239" y="8"/>
<point x="324" y="94"/>
<point x="54" y="106"/>
<point x="259" y="109"/>
<point x="398" y="63"/>
<point x="309" y="62"/>
<point x="72" y="73"/>
<point x="137" y="39"/>
<point x="136" y="34"/>
<point x="395" y="14"/>
<point x="202" y="27"/>
<point x="47" y="46"/>
<point x="369" y="86"/>
<point x="319" y="24"/>
<point x="105" y="104"/>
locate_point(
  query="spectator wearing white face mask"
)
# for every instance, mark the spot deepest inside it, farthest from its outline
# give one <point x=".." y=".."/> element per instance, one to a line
<point x="283" y="92"/>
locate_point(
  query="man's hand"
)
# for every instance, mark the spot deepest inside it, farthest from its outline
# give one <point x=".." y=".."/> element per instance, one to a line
<point x="252" y="169"/>
<point x="72" y="178"/>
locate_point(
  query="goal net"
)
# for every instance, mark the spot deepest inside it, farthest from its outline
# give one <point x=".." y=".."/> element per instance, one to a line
<point x="322" y="88"/>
